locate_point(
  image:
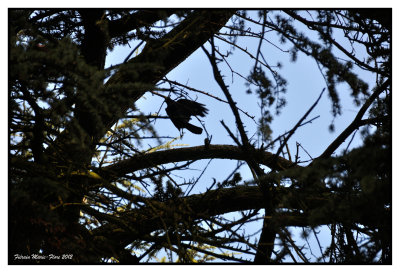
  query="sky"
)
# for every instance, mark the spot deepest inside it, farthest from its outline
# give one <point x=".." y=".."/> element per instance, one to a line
<point x="305" y="84"/>
<point x="315" y="136"/>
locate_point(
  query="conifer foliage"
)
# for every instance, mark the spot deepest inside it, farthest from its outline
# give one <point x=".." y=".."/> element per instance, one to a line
<point x="85" y="188"/>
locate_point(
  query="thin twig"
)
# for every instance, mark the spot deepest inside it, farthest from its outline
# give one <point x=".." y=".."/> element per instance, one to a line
<point x="291" y="132"/>
<point x="130" y="54"/>
<point x="231" y="134"/>
<point x="284" y="134"/>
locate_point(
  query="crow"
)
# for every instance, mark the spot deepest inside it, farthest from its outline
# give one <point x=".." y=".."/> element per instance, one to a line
<point x="181" y="111"/>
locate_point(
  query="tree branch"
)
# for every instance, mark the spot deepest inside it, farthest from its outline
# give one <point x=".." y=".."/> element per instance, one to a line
<point x="142" y="161"/>
<point x="141" y="18"/>
<point x="357" y="122"/>
<point x="95" y="41"/>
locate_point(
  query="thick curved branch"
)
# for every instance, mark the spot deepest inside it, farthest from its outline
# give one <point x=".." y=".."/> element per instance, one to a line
<point x="143" y="161"/>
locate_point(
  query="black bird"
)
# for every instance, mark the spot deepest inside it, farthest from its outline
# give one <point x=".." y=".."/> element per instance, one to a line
<point x="180" y="112"/>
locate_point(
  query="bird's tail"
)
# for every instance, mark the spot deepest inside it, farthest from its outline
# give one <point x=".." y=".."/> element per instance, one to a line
<point x="194" y="129"/>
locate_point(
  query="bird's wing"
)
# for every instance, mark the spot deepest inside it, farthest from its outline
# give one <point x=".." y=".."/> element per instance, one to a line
<point x="193" y="108"/>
